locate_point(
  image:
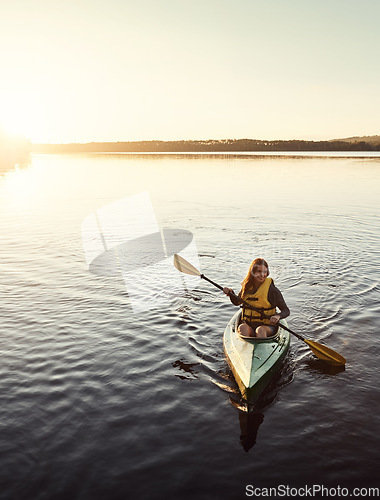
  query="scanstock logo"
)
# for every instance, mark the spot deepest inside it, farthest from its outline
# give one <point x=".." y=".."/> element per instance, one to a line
<point x="123" y="238"/>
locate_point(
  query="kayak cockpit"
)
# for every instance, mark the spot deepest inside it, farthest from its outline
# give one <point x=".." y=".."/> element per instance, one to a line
<point x="259" y="339"/>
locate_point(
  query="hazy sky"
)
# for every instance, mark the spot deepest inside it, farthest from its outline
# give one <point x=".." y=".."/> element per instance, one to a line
<point x="108" y="70"/>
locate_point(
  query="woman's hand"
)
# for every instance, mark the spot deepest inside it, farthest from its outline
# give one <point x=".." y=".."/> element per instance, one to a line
<point x="227" y="290"/>
<point x="274" y="319"/>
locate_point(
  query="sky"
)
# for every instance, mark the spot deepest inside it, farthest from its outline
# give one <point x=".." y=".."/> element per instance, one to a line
<point x="126" y="70"/>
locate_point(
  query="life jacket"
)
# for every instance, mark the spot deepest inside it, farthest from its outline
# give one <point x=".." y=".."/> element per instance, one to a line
<point x="262" y="308"/>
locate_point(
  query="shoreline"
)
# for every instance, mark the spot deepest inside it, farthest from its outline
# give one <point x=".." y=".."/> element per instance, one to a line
<point x="238" y="146"/>
<point x="224" y="154"/>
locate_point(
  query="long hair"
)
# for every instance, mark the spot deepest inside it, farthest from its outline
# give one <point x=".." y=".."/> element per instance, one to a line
<point x="247" y="282"/>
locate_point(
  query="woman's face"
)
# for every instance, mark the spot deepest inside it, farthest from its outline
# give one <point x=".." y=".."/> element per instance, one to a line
<point x="260" y="274"/>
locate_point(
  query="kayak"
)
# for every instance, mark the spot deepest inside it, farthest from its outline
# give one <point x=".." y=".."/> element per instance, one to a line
<point x="254" y="361"/>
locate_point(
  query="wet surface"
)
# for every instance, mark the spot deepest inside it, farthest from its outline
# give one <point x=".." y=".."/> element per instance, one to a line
<point x="100" y="402"/>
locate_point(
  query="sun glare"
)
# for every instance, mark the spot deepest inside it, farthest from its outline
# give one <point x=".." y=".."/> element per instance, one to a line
<point x="12" y="122"/>
<point x="20" y="114"/>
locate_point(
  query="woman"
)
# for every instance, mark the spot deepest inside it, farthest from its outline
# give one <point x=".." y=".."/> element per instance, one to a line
<point x="259" y="291"/>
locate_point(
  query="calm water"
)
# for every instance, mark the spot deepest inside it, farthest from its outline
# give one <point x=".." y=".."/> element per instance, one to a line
<point x="99" y="401"/>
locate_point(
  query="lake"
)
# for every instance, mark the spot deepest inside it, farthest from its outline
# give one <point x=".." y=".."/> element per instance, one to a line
<point x="113" y="381"/>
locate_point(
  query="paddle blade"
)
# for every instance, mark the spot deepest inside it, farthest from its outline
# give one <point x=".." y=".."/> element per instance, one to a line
<point x="185" y="267"/>
<point x="325" y="353"/>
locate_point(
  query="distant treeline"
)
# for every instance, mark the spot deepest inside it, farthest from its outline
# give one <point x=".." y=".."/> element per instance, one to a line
<point x="238" y="145"/>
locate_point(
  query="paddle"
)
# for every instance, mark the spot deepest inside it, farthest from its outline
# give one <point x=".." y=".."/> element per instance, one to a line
<point x="322" y="352"/>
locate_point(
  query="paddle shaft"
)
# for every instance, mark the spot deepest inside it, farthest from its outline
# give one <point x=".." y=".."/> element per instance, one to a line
<point x="221" y="288"/>
<point x="290" y="331"/>
<point x="249" y="305"/>
<point x="238" y="298"/>
<point x="210" y="281"/>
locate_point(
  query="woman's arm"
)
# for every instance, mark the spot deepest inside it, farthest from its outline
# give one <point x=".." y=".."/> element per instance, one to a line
<point x="275" y="297"/>
<point x="229" y="291"/>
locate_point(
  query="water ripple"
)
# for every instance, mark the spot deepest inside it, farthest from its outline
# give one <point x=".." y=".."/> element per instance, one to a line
<point x="95" y="399"/>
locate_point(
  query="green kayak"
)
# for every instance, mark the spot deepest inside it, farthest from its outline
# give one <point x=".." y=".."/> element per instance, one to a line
<point x="254" y="361"/>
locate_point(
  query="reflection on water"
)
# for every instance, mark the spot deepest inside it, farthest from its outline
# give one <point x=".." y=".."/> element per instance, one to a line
<point x="249" y="427"/>
<point x="323" y="368"/>
<point x="14" y="151"/>
<point x="189" y="370"/>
